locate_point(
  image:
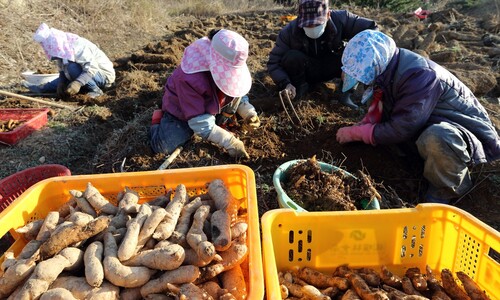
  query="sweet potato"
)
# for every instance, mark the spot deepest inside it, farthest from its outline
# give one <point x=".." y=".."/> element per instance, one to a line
<point x="15" y="275"/>
<point x="72" y="234"/>
<point x="57" y="294"/>
<point x="362" y="288"/>
<point x="31" y="249"/>
<point x="235" y="255"/>
<point x="408" y="287"/>
<point x="191" y="291"/>
<point x="370" y="276"/>
<point x="128" y="246"/>
<point x="49" y="224"/>
<point x="128" y="198"/>
<point x="234" y="281"/>
<point x="390" y="278"/>
<point x="42" y="277"/>
<point x="209" y="272"/>
<point x="417" y="279"/>
<point x="82" y="203"/>
<point x="118" y="274"/>
<point x="167" y="226"/>
<point x="192" y="258"/>
<point x="184" y="222"/>
<point x="98" y="202"/>
<point x="472" y="288"/>
<point x="183" y="274"/>
<point x="80" y="218"/>
<point x="149" y="226"/>
<point x="94" y="270"/>
<point x="435" y="287"/>
<point x="30" y="230"/>
<point x="75" y="258"/>
<point x="80" y="289"/>
<point x="225" y="215"/>
<point x="350" y="294"/>
<point x="166" y="258"/>
<point x="451" y="287"/>
<point x="238" y="229"/>
<point x="8" y="261"/>
<point x="196" y="237"/>
<point x="212" y="288"/>
<point x="321" y="280"/>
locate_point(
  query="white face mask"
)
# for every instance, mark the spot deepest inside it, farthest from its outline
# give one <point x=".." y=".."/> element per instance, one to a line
<point x="315" y="32"/>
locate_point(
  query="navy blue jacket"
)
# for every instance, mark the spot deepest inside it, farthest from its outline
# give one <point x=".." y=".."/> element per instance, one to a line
<point x="341" y="27"/>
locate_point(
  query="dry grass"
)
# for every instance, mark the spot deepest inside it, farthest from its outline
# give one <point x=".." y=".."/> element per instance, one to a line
<point x="143" y="20"/>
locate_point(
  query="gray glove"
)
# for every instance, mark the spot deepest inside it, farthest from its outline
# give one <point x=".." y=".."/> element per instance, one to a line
<point x="225" y="139"/>
<point x="290" y="90"/>
<point x="73" y="87"/>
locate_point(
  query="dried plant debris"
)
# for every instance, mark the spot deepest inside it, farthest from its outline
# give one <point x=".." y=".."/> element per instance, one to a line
<point x="315" y="189"/>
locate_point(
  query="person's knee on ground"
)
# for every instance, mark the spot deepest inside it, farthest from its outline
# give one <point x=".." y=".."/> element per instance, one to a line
<point x="446" y="160"/>
<point x="170" y="133"/>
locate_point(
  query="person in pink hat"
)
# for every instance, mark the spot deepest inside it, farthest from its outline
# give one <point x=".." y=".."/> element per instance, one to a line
<point x="83" y="67"/>
<point x="206" y="93"/>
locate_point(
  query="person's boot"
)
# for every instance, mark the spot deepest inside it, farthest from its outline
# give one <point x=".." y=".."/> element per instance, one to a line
<point x="346" y="100"/>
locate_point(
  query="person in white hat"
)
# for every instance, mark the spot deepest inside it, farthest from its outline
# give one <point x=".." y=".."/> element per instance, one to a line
<point x="202" y="93"/>
<point x="309" y="49"/>
<point x="83" y="67"/>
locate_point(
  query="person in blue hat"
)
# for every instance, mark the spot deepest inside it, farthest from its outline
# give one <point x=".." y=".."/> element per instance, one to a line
<point x="414" y="101"/>
<point x="309" y="49"/>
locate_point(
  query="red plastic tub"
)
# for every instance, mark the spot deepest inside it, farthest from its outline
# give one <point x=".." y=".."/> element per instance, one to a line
<point x="14" y="185"/>
<point x="33" y="119"/>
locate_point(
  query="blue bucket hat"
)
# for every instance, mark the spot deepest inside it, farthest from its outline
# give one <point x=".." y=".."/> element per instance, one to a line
<point x="365" y="57"/>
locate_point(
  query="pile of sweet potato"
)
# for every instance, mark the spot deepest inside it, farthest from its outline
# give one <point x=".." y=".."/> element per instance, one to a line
<point x="346" y="283"/>
<point x="9" y="125"/>
<point x="173" y="246"/>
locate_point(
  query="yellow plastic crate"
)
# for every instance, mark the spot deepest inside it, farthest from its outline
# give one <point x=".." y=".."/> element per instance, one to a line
<point x="50" y="194"/>
<point x="438" y="235"/>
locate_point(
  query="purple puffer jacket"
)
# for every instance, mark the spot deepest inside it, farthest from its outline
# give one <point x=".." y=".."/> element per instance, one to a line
<point x="190" y="95"/>
<point x="417" y="92"/>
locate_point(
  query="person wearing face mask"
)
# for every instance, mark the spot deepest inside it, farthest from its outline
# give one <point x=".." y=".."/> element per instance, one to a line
<point x="417" y="105"/>
<point x="309" y="49"/>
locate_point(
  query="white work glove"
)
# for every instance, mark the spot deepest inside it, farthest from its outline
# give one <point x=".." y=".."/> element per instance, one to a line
<point x="225" y="139"/>
<point x="290" y="90"/>
<point x="249" y="115"/>
<point x="251" y="123"/>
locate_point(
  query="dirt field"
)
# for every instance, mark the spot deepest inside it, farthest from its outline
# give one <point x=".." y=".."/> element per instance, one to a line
<point x="110" y="135"/>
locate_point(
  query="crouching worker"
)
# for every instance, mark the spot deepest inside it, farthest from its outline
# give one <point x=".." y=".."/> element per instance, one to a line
<point x="418" y="103"/>
<point x="212" y="80"/>
<point x="83" y="67"/>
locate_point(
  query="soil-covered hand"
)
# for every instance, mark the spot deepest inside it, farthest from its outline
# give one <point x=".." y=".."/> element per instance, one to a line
<point x="73" y="88"/>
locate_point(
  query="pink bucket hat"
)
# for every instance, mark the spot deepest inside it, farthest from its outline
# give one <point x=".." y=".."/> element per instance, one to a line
<point x="56" y="43"/>
<point x="225" y="56"/>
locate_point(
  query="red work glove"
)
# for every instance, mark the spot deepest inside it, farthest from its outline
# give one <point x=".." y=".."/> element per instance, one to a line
<point x="157" y="115"/>
<point x="363" y="133"/>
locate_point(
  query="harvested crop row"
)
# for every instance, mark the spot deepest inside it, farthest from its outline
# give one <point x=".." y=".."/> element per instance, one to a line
<point x="367" y="284"/>
<point x="91" y="248"/>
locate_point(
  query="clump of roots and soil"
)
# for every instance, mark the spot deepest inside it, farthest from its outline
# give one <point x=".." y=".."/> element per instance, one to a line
<point x="316" y="189"/>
